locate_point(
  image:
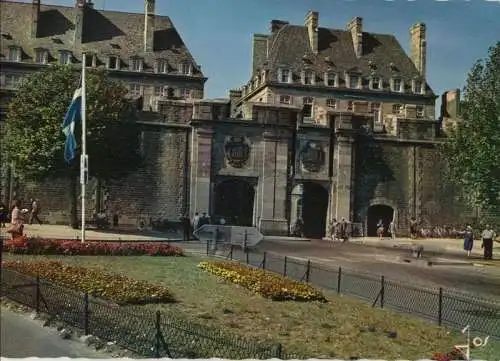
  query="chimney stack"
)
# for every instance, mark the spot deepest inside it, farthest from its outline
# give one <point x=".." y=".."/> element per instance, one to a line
<point x="259" y="50"/>
<point x="35" y="15"/>
<point x="149" y="25"/>
<point x="312" y="23"/>
<point x="80" y="7"/>
<point x="418" y="47"/>
<point x="355" y="27"/>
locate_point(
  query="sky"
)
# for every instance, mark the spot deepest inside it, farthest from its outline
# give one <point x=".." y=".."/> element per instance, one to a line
<point x="219" y="32"/>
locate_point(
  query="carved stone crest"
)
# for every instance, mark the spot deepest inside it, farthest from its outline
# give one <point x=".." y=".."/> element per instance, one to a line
<point x="312" y="157"/>
<point x="237" y="151"/>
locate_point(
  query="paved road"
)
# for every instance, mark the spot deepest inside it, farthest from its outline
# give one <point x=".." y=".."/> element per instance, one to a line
<point x="23" y="337"/>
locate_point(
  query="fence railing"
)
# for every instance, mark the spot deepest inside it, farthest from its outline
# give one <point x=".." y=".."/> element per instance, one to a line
<point x="445" y="307"/>
<point x="150" y="334"/>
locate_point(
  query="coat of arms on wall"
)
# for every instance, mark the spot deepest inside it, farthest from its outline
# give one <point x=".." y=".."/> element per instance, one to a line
<point x="312" y="157"/>
<point x="237" y="151"/>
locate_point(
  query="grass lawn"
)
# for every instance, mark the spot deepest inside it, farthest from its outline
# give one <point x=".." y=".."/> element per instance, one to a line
<point x="340" y="328"/>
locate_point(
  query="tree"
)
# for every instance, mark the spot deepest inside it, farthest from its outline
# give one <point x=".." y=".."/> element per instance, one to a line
<point x="473" y="147"/>
<point x="33" y="136"/>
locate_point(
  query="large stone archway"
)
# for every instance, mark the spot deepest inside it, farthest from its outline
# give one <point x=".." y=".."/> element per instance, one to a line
<point x="234" y="201"/>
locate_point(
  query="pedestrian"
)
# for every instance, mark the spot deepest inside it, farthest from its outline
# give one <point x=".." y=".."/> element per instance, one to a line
<point x="186" y="227"/>
<point x="488" y="236"/>
<point x="298" y="228"/>
<point x="380" y="228"/>
<point x="16" y="226"/>
<point x="413" y="228"/>
<point x="196" y="221"/>
<point x="392" y="230"/>
<point x="468" y="240"/>
<point x="343" y="230"/>
<point x="35" y="210"/>
<point x="332" y="230"/>
<point x="4" y="215"/>
<point x="203" y="220"/>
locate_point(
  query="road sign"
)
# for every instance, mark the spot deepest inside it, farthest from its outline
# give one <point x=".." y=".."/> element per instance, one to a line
<point x="236" y="235"/>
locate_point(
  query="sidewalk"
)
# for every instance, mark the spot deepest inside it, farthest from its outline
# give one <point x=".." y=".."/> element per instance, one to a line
<point x="434" y="245"/>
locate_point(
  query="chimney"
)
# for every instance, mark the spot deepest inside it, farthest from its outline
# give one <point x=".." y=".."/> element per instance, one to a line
<point x="355" y="27"/>
<point x="418" y="47"/>
<point x="311" y="22"/>
<point x="275" y="25"/>
<point x="80" y="7"/>
<point x="149" y="25"/>
<point x="259" y="50"/>
<point x="35" y="15"/>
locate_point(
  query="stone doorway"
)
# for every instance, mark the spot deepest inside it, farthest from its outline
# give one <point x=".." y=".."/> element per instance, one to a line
<point x="314" y="204"/>
<point x="375" y="213"/>
<point x="234" y="201"/>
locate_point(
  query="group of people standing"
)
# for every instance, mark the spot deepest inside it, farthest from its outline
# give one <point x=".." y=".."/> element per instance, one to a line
<point x="488" y="236"/>
<point x="14" y="219"/>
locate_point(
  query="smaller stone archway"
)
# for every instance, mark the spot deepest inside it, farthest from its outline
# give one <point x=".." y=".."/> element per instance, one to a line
<point x="378" y="212"/>
<point x="234" y="201"/>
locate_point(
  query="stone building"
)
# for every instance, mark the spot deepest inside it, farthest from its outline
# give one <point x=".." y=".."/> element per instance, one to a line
<point x="331" y="124"/>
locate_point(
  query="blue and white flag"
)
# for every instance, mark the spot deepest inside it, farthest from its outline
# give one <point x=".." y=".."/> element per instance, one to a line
<point x="72" y="116"/>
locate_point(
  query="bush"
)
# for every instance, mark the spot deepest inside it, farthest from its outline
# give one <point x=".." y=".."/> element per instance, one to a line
<point x="261" y="282"/>
<point x="114" y="287"/>
<point x="41" y="246"/>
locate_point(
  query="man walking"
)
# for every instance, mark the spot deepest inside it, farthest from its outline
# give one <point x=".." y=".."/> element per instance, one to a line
<point x="488" y="236"/>
<point x="35" y="209"/>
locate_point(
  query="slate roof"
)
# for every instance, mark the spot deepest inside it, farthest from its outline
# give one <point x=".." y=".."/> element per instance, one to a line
<point x="287" y="47"/>
<point x="104" y="33"/>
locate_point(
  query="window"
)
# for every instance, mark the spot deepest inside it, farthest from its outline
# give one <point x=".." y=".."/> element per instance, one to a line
<point x="90" y="60"/>
<point x="186" y="93"/>
<point x="307" y="107"/>
<point x="185" y="69"/>
<point x="331" y="79"/>
<point x="353" y="81"/>
<point x="113" y="63"/>
<point x="41" y="56"/>
<point x="284" y="76"/>
<point x="375" y="107"/>
<point x="417" y="87"/>
<point x="15" y="54"/>
<point x="65" y="57"/>
<point x="397" y="85"/>
<point x="308" y="77"/>
<point x="350" y="105"/>
<point x="285" y="99"/>
<point x="136" y="64"/>
<point x="159" y="91"/>
<point x="161" y="66"/>
<point x="13" y="81"/>
<point x="420" y="111"/>
<point x="397" y="109"/>
<point x="332" y="103"/>
<point x="135" y="90"/>
<point x="375" y="83"/>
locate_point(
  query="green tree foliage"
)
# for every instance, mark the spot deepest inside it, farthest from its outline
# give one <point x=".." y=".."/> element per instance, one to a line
<point x="473" y="147"/>
<point x="33" y="136"/>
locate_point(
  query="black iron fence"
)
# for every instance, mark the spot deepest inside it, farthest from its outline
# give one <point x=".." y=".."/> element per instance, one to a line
<point x="147" y="333"/>
<point x="445" y="307"/>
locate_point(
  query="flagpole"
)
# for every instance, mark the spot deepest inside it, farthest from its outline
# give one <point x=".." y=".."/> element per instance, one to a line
<point x="83" y="156"/>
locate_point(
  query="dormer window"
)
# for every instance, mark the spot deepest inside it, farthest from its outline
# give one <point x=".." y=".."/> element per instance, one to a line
<point x="90" y="60"/>
<point x="354" y="81"/>
<point x="41" y="56"/>
<point x="161" y="66"/>
<point x="397" y="85"/>
<point x="113" y="62"/>
<point x="186" y="69"/>
<point x="15" y="54"/>
<point x="375" y="83"/>
<point x="308" y="77"/>
<point x="331" y="79"/>
<point x="65" y="57"/>
<point x="284" y="76"/>
<point x="136" y="64"/>
<point x="418" y="86"/>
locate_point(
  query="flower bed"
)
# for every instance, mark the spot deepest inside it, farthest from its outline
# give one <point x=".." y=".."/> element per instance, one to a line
<point x="261" y="282"/>
<point x="42" y="246"/>
<point x="449" y="356"/>
<point x="114" y="287"/>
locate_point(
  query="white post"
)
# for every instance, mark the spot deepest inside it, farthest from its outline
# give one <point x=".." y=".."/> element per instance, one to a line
<point x="83" y="157"/>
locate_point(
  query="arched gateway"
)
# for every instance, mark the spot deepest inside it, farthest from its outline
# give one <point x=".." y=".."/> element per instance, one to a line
<point x="234" y="201"/>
